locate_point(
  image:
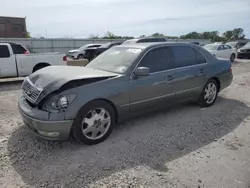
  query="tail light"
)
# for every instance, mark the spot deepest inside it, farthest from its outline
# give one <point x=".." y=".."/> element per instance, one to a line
<point x="26" y="52"/>
<point x="65" y="58"/>
<point x="231" y="70"/>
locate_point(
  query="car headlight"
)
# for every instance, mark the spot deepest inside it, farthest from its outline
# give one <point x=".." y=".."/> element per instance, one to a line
<point x="58" y="103"/>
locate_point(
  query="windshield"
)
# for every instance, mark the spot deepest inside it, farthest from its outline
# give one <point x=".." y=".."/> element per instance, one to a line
<point x="117" y="59"/>
<point x="210" y="46"/>
<point x="106" y="45"/>
<point x="132" y="41"/>
<point x="247" y="45"/>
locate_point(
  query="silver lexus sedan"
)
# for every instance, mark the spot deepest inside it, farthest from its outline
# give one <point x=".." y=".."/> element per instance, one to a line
<point x="87" y="102"/>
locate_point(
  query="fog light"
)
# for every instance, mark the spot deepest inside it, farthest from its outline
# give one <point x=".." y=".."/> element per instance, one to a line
<point x="49" y="134"/>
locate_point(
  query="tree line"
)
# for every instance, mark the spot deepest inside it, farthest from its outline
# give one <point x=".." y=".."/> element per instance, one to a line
<point x="214" y="36"/>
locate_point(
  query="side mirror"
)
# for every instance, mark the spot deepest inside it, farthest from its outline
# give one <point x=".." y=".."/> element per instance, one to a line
<point x="141" y="71"/>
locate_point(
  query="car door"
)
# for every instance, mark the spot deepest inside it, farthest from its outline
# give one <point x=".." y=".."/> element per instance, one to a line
<point x="188" y="75"/>
<point x="7" y="62"/>
<point x="231" y="50"/>
<point x="227" y="51"/>
<point x="222" y="51"/>
<point x="152" y="91"/>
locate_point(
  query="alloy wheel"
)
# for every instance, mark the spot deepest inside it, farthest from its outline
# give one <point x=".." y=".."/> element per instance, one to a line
<point x="96" y="123"/>
<point x="210" y="93"/>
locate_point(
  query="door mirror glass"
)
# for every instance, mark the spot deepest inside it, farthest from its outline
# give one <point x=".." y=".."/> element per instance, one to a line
<point x="141" y="71"/>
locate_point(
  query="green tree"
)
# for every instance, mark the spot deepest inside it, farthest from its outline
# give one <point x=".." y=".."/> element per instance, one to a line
<point x="157" y="35"/>
<point x="94" y="36"/>
<point x="109" y="35"/>
<point x="192" y="35"/>
<point x="238" y="33"/>
<point x="28" y="35"/>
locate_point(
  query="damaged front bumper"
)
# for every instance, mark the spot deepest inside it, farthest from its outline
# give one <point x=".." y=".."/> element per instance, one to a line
<point x="42" y="124"/>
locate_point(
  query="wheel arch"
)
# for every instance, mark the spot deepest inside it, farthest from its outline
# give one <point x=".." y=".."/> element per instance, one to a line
<point x="217" y="81"/>
<point x="99" y="99"/>
<point x="42" y="64"/>
<point x="107" y="101"/>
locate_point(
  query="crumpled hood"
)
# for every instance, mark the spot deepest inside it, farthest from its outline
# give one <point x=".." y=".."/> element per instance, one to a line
<point x="53" y="77"/>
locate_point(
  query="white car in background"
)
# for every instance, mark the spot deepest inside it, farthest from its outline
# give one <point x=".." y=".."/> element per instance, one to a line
<point x="79" y="53"/>
<point x="17" y="61"/>
<point x="222" y="50"/>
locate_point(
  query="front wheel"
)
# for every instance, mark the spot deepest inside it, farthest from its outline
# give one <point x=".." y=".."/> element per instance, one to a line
<point x="209" y="94"/>
<point x="81" y="56"/>
<point x="94" y="122"/>
<point x="232" y="58"/>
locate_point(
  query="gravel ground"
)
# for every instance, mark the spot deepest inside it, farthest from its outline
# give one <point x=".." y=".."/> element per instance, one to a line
<point x="185" y="146"/>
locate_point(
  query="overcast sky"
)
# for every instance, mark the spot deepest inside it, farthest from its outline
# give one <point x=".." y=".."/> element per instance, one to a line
<point x="81" y="18"/>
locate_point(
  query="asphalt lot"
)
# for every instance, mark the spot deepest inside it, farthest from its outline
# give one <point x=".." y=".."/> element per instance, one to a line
<point x="185" y="146"/>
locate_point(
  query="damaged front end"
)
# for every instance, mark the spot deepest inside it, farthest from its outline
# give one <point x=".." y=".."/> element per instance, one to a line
<point x="50" y="98"/>
<point x="56" y="101"/>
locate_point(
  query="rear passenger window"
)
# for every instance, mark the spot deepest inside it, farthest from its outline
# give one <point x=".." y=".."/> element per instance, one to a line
<point x="228" y="47"/>
<point x="199" y="57"/>
<point x="157" y="60"/>
<point x="4" y="51"/>
<point x="18" y="49"/>
<point x="183" y="56"/>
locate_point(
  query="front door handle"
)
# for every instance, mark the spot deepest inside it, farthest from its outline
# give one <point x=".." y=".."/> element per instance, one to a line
<point x="169" y="78"/>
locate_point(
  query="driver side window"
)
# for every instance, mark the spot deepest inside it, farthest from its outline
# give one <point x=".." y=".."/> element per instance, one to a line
<point x="221" y="47"/>
<point x="157" y="60"/>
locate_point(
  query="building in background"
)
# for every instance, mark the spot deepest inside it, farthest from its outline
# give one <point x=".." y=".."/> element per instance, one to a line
<point x="12" y="27"/>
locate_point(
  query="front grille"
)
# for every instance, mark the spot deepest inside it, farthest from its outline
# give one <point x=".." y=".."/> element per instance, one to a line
<point x="30" y="91"/>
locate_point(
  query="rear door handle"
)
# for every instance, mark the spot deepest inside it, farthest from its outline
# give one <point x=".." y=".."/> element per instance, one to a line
<point x="202" y="71"/>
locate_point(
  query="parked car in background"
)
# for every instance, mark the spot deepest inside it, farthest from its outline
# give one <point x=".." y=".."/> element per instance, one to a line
<point x="123" y="81"/>
<point x="222" y="50"/>
<point x="79" y="53"/>
<point x="244" y="52"/>
<point x="91" y="53"/>
<point x="15" y="60"/>
<point x="197" y="43"/>
<point x="145" y="39"/>
<point x="237" y="44"/>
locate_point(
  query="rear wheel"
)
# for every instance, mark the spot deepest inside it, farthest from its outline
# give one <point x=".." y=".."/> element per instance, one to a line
<point x="232" y="58"/>
<point x="209" y="93"/>
<point x="94" y="122"/>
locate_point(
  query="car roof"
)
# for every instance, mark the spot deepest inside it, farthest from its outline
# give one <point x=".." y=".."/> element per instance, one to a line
<point x="155" y="44"/>
<point x="10" y="43"/>
<point x="92" y="44"/>
<point x="137" y="39"/>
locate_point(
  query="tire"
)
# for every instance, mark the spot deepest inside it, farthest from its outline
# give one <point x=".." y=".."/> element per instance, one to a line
<point x="38" y="67"/>
<point x="80" y="56"/>
<point x="232" y="58"/>
<point x="204" y="101"/>
<point x="92" y="128"/>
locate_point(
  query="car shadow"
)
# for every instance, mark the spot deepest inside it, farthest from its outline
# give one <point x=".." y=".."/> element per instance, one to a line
<point x="10" y="86"/>
<point x="150" y="140"/>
